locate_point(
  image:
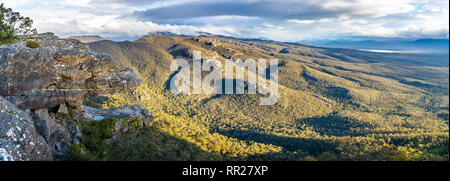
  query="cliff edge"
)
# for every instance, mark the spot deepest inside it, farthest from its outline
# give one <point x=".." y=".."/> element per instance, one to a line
<point x="42" y="77"/>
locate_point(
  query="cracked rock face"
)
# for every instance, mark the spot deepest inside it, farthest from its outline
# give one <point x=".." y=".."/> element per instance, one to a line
<point x="59" y="71"/>
<point x="19" y="140"/>
<point x="40" y="80"/>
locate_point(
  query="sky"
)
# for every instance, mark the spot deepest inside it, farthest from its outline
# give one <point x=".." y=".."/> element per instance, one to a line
<point x="283" y="20"/>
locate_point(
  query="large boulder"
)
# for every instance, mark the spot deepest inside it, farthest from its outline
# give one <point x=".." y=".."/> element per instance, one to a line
<point x="19" y="140"/>
<point x="126" y="112"/>
<point x="48" y="80"/>
<point x="60" y="71"/>
<point x="130" y="117"/>
<point x="59" y="131"/>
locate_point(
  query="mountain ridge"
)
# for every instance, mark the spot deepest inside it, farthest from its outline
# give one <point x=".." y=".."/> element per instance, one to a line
<point x="326" y="94"/>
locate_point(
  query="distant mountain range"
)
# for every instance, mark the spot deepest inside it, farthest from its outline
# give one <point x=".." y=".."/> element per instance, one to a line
<point x="394" y="45"/>
<point x="87" y="38"/>
<point x="386" y="45"/>
<point x="170" y="34"/>
<point x="391" y="45"/>
<point x="163" y="33"/>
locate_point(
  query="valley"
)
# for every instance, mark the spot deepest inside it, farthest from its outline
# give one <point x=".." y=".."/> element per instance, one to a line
<point x="333" y="104"/>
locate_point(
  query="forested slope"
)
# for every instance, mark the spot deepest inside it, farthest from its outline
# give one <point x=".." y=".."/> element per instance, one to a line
<point x="334" y="104"/>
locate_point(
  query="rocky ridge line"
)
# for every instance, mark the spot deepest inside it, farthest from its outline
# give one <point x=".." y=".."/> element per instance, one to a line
<point x="38" y="87"/>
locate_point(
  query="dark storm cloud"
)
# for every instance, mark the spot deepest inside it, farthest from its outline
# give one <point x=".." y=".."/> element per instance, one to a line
<point x="132" y="2"/>
<point x="264" y="9"/>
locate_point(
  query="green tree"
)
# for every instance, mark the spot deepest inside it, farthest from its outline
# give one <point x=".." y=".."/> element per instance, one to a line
<point x="12" y="23"/>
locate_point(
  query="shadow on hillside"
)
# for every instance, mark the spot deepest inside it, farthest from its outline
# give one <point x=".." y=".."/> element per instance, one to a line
<point x="150" y="144"/>
<point x="221" y="86"/>
<point x="338" y="93"/>
<point x="333" y="125"/>
<point x="308" y="145"/>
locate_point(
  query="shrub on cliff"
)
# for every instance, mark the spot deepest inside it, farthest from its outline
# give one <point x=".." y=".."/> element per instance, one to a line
<point x="12" y="23"/>
<point x="32" y="44"/>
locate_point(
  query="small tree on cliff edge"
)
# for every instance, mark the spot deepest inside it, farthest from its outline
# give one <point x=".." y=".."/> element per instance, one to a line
<point x="11" y="24"/>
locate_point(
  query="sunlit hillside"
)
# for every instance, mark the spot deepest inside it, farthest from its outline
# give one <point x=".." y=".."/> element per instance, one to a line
<point x="334" y="104"/>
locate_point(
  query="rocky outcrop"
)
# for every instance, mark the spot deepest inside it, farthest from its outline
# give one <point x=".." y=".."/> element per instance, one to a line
<point x="134" y="111"/>
<point x="59" y="71"/>
<point x="18" y="137"/>
<point x="46" y="82"/>
<point x="131" y="117"/>
<point x="59" y="131"/>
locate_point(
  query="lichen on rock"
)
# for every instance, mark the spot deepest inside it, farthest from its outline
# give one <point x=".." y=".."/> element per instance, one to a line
<point x="59" y="71"/>
<point x="19" y="140"/>
<point x="46" y="82"/>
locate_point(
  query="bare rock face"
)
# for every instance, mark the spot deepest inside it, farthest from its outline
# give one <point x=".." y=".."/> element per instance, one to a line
<point x="59" y="133"/>
<point x="60" y="71"/>
<point x="133" y="111"/>
<point x="46" y="80"/>
<point x="127" y="114"/>
<point x="19" y="140"/>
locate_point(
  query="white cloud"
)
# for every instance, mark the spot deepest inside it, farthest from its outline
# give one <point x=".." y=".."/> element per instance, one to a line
<point x="15" y="3"/>
<point x="369" y="8"/>
<point x="77" y="3"/>
<point x="281" y="20"/>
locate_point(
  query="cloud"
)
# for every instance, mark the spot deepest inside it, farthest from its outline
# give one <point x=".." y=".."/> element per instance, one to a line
<point x="286" y="20"/>
<point x="14" y="3"/>
<point x="272" y="10"/>
<point x="67" y="18"/>
<point x="284" y="9"/>
<point x="306" y="19"/>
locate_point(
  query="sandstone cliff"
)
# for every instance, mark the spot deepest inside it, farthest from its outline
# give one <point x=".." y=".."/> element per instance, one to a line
<point x="40" y="82"/>
<point x="59" y="71"/>
<point x="18" y="137"/>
